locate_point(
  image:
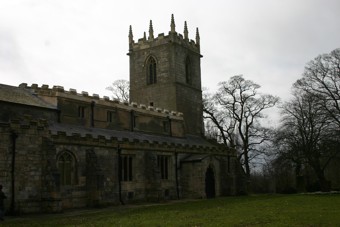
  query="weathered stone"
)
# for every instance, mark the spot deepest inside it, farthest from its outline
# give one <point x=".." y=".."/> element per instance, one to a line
<point x="71" y="151"/>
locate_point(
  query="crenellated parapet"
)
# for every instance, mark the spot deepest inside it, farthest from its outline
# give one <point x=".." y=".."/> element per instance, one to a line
<point x="28" y="121"/>
<point x="161" y="39"/>
<point x="59" y="91"/>
<point x="26" y="124"/>
<point x="131" y="142"/>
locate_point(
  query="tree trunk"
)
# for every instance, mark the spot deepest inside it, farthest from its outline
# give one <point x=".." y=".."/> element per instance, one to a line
<point x="246" y="163"/>
<point x="300" y="180"/>
<point x="324" y="183"/>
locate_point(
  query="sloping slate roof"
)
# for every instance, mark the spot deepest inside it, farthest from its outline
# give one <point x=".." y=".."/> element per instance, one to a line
<point x="120" y="135"/>
<point x="22" y="96"/>
<point x="195" y="158"/>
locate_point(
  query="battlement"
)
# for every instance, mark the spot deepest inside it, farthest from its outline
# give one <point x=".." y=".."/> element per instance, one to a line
<point x="161" y="39"/>
<point x="28" y="122"/>
<point x="59" y="91"/>
<point x="144" y="43"/>
<point x="126" y="141"/>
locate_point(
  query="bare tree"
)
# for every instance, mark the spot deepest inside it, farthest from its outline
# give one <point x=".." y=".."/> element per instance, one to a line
<point x="120" y="90"/>
<point x="322" y="78"/>
<point x="286" y="150"/>
<point x="236" y="109"/>
<point x="217" y="124"/>
<point x="308" y="134"/>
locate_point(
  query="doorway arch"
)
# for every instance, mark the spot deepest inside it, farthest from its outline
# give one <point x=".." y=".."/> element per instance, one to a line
<point x="210" y="183"/>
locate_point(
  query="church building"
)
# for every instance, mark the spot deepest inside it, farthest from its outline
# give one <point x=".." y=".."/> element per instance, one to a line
<point x="64" y="149"/>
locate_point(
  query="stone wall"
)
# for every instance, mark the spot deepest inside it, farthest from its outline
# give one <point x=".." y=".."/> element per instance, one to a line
<point x="40" y="143"/>
<point x="26" y="140"/>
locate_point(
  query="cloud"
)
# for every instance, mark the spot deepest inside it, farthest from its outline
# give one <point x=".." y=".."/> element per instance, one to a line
<point x="12" y="64"/>
<point x="83" y="43"/>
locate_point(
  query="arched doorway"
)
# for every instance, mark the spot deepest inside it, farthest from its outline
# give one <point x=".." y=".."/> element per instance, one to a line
<point x="210" y="183"/>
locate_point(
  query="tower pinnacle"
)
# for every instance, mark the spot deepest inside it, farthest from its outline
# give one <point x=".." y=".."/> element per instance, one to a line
<point x="185" y="31"/>
<point x="151" y="31"/>
<point x="197" y="37"/>
<point x="172" y="25"/>
<point x="130" y="35"/>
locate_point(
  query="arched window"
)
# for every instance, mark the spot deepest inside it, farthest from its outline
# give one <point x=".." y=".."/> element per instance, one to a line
<point x="66" y="166"/>
<point x="151" y="71"/>
<point x="188" y="78"/>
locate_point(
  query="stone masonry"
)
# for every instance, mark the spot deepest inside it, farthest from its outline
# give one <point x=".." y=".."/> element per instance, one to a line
<point x="63" y="149"/>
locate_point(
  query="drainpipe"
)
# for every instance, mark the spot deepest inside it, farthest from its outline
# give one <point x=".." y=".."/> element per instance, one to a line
<point x="58" y="115"/>
<point x="176" y="174"/>
<point x="170" y="129"/>
<point x="92" y="113"/>
<point x="14" y="137"/>
<point x="119" y="150"/>
<point x="132" y="120"/>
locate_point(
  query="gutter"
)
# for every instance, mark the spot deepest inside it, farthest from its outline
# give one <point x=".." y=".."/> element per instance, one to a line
<point x="132" y="120"/>
<point x="170" y="128"/>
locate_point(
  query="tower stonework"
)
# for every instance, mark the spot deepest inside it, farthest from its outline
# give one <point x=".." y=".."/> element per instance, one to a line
<point x="165" y="72"/>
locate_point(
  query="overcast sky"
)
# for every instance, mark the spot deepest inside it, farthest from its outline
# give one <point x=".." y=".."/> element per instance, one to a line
<point x="82" y="44"/>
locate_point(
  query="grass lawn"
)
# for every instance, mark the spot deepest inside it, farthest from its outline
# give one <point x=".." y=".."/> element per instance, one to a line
<point x="258" y="210"/>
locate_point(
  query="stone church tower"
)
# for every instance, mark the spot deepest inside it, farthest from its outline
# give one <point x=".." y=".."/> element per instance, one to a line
<point x="165" y="72"/>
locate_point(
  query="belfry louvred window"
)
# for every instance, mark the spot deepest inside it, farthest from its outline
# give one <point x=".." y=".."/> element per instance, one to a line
<point x="151" y="71"/>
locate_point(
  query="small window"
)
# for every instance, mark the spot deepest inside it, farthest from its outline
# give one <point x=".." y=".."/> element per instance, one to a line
<point x="126" y="168"/>
<point x="110" y="116"/>
<point x="151" y="71"/>
<point x="66" y="166"/>
<point x="163" y="165"/>
<point x="165" y="126"/>
<point x="81" y="112"/>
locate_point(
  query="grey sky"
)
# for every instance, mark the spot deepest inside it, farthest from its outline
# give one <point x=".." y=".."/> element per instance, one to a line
<point x="82" y="44"/>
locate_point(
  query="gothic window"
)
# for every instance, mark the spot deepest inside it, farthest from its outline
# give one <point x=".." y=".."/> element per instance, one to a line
<point x="163" y="165"/>
<point x="188" y="78"/>
<point x="126" y="168"/>
<point x="151" y="71"/>
<point x="66" y="166"/>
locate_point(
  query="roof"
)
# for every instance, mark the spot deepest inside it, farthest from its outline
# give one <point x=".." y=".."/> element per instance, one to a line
<point x="195" y="158"/>
<point x="22" y="96"/>
<point x="70" y="130"/>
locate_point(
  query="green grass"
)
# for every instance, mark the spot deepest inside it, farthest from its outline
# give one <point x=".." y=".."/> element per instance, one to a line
<point x="260" y="210"/>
